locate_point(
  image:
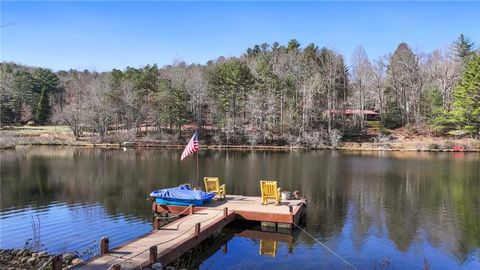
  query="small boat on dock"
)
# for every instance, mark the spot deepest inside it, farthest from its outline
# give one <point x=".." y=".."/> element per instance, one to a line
<point x="182" y="195"/>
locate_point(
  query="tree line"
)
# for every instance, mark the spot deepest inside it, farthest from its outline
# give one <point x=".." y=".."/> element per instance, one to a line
<point x="270" y="94"/>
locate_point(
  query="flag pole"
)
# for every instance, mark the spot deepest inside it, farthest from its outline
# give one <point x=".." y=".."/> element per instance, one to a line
<point x="198" y="138"/>
<point x="198" y="177"/>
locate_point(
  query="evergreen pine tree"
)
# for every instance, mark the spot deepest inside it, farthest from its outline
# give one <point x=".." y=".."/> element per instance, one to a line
<point x="43" y="108"/>
<point x="463" y="47"/>
<point x="466" y="112"/>
<point x="293" y="45"/>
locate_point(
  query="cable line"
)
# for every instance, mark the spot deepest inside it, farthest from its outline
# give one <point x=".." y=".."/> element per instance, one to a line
<point x="323" y="245"/>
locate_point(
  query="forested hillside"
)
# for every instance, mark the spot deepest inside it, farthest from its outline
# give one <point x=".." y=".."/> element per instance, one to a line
<point x="272" y="94"/>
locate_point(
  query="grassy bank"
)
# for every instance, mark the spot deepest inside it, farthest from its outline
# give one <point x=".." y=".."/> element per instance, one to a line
<point x="62" y="136"/>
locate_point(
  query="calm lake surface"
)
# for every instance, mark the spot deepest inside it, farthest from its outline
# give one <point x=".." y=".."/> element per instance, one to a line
<point x="377" y="210"/>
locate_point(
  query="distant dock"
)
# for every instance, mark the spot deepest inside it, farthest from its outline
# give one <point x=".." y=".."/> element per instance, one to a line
<point x="167" y="243"/>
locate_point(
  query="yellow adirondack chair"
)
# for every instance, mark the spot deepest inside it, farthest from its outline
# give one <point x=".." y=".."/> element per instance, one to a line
<point x="269" y="190"/>
<point x="212" y="184"/>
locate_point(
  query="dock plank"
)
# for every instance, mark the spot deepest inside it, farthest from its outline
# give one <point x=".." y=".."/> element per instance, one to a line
<point x="135" y="253"/>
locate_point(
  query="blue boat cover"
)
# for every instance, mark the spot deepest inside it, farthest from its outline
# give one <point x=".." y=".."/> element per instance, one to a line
<point x="182" y="193"/>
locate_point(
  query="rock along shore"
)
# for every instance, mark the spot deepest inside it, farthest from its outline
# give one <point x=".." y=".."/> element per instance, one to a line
<point x="11" y="259"/>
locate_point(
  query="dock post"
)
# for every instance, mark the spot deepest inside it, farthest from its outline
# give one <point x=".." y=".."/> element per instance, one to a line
<point x="57" y="262"/>
<point x="290" y="208"/>
<point x="153" y="254"/>
<point x="225" y="213"/>
<point x="154" y="207"/>
<point x="191" y="210"/>
<point x="197" y="229"/>
<point x="104" y="245"/>
<point x="156" y="223"/>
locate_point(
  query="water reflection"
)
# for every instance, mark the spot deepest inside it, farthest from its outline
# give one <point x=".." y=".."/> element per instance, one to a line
<point x="406" y="206"/>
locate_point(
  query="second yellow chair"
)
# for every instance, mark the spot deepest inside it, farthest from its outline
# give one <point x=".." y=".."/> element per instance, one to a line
<point x="269" y="190"/>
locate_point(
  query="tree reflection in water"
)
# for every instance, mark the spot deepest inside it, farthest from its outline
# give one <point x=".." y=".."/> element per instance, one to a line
<point x="409" y="204"/>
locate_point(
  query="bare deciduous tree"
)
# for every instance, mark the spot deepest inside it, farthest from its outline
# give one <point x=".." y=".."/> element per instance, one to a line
<point x="444" y="73"/>
<point x="134" y="108"/>
<point x="98" y="105"/>
<point x="361" y="81"/>
<point x="196" y="86"/>
<point x="379" y="73"/>
<point x="73" y="112"/>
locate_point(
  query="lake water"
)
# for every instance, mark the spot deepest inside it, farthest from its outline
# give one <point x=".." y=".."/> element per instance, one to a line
<point x="377" y="210"/>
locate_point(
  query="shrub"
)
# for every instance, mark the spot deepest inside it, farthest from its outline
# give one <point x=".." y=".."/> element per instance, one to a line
<point x="334" y="137"/>
<point x="253" y="138"/>
<point x="433" y="146"/>
<point x="293" y="140"/>
<point x="384" y="131"/>
<point x="448" y="145"/>
<point x="475" y="144"/>
<point x="313" y="139"/>
<point x="217" y="139"/>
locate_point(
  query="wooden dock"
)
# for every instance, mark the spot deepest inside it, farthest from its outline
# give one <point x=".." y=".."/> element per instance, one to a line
<point x="167" y="243"/>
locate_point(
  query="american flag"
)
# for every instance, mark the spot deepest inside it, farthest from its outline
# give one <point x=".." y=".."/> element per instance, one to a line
<point x="191" y="147"/>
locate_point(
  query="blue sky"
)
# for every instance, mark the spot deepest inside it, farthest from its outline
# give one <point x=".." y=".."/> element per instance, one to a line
<point x="105" y="35"/>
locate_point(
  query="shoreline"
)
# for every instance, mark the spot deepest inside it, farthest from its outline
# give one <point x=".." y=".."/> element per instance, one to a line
<point x="136" y="145"/>
<point x="401" y="142"/>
